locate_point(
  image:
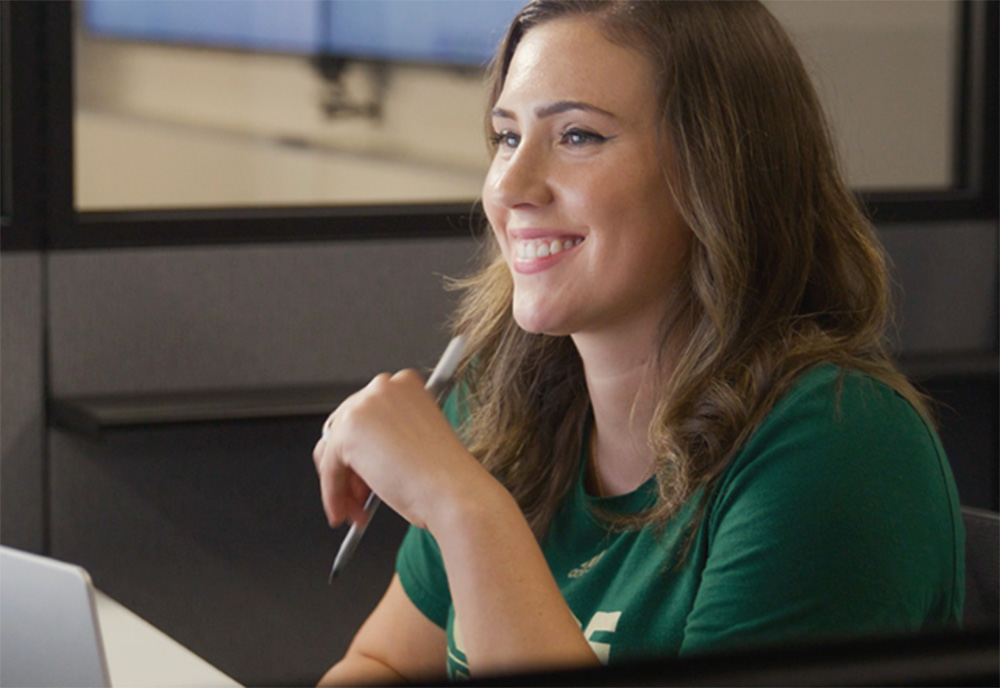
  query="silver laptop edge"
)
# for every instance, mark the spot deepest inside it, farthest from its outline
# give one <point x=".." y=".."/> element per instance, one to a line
<point x="50" y="634"/>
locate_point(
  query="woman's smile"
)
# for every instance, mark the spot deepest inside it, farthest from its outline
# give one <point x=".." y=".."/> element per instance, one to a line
<point x="533" y="254"/>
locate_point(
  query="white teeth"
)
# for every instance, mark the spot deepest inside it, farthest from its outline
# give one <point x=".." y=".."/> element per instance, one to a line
<point x="542" y="248"/>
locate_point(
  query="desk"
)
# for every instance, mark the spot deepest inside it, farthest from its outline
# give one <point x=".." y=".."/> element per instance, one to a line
<point x="141" y="656"/>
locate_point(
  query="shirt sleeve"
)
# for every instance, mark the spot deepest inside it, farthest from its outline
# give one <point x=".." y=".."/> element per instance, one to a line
<point x="839" y="517"/>
<point x="419" y="562"/>
<point x="421" y="572"/>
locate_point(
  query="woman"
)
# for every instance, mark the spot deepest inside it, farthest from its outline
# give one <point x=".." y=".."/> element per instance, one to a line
<point x="676" y="428"/>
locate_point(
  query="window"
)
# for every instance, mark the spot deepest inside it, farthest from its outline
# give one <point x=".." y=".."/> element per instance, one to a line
<point x="246" y="144"/>
<point x="327" y="102"/>
<point x="888" y="75"/>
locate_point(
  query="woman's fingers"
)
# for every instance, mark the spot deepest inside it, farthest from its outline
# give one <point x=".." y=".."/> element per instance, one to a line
<point x="390" y="437"/>
<point x="359" y="492"/>
<point x="342" y="492"/>
<point x="332" y="480"/>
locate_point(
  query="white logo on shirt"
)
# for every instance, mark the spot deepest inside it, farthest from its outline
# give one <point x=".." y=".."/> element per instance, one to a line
<point x="585" y="566"/>
<point x="600" y="622"/>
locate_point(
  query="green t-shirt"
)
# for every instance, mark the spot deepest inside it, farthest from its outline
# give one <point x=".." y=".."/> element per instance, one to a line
<point x="839" y="517"/>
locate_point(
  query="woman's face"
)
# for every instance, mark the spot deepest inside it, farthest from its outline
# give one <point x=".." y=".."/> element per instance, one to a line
<point x="576" y="192"/>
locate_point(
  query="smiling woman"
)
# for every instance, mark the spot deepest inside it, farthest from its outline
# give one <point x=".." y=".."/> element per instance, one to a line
<point x="676" y="428"/>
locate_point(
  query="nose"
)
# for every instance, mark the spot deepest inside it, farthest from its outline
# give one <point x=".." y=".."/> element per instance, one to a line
<point x="521" y="179"/>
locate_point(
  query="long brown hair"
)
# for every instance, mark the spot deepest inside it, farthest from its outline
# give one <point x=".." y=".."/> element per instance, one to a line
<point x="784" y="272"/>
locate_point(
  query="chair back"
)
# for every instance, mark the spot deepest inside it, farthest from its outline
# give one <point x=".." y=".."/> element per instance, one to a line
<point x="982" y="567"/>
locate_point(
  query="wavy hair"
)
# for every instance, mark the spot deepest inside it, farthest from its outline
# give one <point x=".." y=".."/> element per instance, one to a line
<point x="784" y="272"/>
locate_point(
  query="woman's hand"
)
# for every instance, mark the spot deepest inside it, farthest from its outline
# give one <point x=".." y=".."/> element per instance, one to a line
<point x="391" y="437"/>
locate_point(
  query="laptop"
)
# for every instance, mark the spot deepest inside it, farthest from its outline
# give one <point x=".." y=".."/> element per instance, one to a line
<point x="49" y="630"/>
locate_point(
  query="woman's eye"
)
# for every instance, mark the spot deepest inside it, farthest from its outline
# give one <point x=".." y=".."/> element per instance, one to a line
<point x="507" y="139"/>
<point x="582" y="137"/>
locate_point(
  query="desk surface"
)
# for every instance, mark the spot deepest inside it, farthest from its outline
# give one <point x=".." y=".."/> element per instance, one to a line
<point x="141" y="656"/>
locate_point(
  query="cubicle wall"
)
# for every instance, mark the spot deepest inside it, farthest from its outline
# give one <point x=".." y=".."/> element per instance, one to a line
<point x="22" y="390"/>
<point x="214" y="531"/>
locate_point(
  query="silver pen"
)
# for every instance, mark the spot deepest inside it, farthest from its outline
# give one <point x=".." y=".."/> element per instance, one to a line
<point x="436" y="384"/>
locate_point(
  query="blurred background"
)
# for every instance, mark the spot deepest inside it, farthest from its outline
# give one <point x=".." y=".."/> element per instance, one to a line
<point x="218" y="218"/>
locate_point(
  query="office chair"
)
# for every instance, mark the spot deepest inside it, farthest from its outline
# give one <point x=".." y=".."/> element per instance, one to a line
<point x="982" y="567"/>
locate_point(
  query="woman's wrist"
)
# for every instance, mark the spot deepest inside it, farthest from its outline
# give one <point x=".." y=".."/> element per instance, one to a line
<point x="470" y="503"/>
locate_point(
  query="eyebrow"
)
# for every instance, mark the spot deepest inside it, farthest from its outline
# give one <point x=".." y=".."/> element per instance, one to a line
<point x="556" y="108"/>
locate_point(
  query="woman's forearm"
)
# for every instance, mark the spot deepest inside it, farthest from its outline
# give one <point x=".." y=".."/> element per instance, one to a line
<point x="510" y="611"/>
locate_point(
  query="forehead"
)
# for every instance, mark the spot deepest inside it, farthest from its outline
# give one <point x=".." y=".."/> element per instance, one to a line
<point x="570" y="58"/>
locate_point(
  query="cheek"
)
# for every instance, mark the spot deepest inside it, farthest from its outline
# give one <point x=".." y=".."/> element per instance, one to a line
<point x="490" y="191"/>
<point x="496" y="226"/>
<point x="608" y="196"/>
<point x="495" y="214"/>
<point x="647" y="235"/>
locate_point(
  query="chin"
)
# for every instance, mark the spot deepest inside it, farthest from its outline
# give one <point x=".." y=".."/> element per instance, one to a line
<point x="535" y="322"/>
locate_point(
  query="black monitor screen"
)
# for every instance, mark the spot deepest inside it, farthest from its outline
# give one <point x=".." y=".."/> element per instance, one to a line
<point x="456" y="32"/>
